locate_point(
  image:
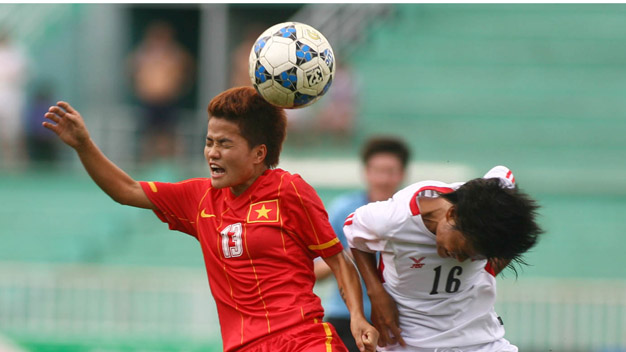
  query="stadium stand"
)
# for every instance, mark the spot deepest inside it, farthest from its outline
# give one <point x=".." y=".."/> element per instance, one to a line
<point x="535" y="85"/>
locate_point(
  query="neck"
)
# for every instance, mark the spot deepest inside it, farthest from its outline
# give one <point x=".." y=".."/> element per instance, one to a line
<point x="240" y="188"/>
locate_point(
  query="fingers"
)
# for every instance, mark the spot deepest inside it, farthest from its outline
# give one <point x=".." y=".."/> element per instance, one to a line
<point x="57" y="110"/>
<point x="366" y="338"/>
<point x="389" y="334"/>
<point x="360" y="345"/>
<point x="369" y="339"/>
<point x="400" y="339"/>
<point x="383" y="338"/>
<point x="66" y="106"/>
<point x="57" y="113"/>
<point x="52" y="127"/>
<point x="62" y="108"/>
<point x="396" y="334"/>
<point x="61" y="111"/>
<point x="52" y="116"/>
<point x="379" y="327"/>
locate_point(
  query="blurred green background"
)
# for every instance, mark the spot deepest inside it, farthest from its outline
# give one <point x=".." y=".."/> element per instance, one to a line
<point x="537" y="87"/>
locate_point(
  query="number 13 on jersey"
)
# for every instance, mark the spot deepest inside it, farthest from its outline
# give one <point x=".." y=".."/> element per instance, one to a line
<point x="231" y="241"/>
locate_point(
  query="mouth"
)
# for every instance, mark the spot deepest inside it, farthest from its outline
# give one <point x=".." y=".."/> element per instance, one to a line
<point x="216" y="170"/>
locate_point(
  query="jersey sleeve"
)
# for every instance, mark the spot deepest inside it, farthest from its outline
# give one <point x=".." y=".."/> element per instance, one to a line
<point x="176" y="203"/>
<point x="371" y="226"/>
<point x="306" y="217"/>
<point x="507" y="180"/>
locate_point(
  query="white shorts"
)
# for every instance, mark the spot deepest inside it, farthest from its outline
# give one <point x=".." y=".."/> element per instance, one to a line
<point x="501" y="345"/>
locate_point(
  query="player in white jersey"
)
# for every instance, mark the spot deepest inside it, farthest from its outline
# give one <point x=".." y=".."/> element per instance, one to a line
<point x="441" y="246"/>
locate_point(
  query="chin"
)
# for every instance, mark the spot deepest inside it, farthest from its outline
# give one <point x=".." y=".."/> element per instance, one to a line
<point x="218" y="184"/>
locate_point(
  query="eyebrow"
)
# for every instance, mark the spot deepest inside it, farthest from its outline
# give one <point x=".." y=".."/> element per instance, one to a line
<point x="221" y="140"/>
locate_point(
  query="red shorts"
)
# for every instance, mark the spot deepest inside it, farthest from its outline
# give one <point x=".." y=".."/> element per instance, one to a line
<point x="306" y="337"/>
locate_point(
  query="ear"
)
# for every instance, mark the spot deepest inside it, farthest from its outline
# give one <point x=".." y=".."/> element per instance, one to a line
<point x="451" y="215"/>
<point x="260" y="152"/>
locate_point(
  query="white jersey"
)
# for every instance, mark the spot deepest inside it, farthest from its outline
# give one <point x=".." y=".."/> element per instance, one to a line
<point x="442" y="302"/>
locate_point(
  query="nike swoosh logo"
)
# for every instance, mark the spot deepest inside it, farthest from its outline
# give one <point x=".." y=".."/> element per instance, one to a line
<point x="205" y="215"/>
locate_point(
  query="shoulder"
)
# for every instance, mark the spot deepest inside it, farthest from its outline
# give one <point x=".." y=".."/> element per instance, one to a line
<point x="288" y="183"/>
<point x="280" y="175"/>
<point x="290" y="189"/>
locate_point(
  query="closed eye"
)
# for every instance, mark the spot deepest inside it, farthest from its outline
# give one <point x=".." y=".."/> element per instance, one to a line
<point x="223" y="142"/>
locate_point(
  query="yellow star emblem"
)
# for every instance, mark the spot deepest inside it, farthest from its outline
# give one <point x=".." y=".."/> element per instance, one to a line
<point x="262" y="213"/>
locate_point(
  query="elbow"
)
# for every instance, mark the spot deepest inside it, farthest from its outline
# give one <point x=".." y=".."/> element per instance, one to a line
<point x="131" y="195"/>
<point x="120" y="199"/>
<point x="123" y="198"/>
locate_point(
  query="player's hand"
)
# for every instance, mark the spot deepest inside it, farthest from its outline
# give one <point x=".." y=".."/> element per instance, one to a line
<point x="385" y="318"/>
<point x="365" y="335"/>
<point x="67" y="124"/>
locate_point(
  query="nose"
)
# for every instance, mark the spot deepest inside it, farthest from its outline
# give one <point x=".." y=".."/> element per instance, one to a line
<point x="211" y="152"/>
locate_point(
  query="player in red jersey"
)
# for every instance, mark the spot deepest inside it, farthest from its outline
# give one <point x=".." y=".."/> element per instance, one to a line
<point x="259" y="227"/>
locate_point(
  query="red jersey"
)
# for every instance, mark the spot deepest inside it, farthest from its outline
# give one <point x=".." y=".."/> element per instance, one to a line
<point x="258" y="248"/>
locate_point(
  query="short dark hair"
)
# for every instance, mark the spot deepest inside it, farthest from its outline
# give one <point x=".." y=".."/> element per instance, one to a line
<point x="389" y="145"/>
<point x="498" y="221"/>
<point x="259" y="121"/>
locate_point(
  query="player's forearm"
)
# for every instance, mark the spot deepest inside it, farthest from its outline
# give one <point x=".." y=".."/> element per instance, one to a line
<point x="366" y="262"/>
<point x="348" y="283"/>
<point x="110" y="178"/>
<point x="352" y="288"/>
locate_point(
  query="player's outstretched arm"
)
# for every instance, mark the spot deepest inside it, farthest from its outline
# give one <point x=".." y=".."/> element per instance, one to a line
<point x="69" y="125"/>
<point x="364" y="333"/>
<point x="385" y="316"/>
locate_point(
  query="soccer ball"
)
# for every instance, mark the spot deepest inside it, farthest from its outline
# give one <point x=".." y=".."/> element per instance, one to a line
<point x="291" y="65"/>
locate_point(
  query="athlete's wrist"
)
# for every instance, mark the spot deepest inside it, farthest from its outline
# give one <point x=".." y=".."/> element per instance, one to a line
<point x="84" y="145"/>
<point x="357" y="316"/>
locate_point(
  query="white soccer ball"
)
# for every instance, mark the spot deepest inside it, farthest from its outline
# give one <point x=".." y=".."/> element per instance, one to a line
<point x="291" y="65"/>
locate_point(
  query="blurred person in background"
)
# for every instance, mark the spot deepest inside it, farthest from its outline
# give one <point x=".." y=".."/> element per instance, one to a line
<point x="162" y="71"/>
<point x="441" y="246"/>
<point x="13" y="72"/>
<point x="259" y="227"/>
<point x="384" y="160"/>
